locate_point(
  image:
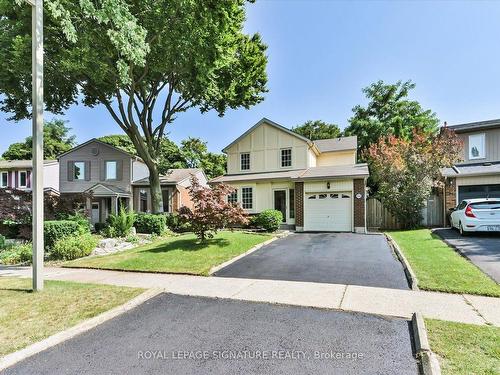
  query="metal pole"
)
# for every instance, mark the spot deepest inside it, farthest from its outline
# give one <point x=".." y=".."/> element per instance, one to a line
<point x="37" y="173"/>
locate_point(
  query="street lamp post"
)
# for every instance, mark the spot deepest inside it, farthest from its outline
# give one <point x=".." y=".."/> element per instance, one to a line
<point x="37" y="172"/>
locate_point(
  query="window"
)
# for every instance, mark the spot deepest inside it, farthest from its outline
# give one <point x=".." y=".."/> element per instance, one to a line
<point x="245" y="161"/>
<point x="23" y="179"/>
<point x="233" y="197"/>
<point x="291" y="194"/>
<point x="345" y="196"/>
<point x="111" y="170"/>
<point x="79" y="170"/>
<point x="143" y="201"/>
<point x="334" y="196"/>
<point x="4" y="182"/>
<point x="286" y="157"/>
<point x="247" y="198"/>
<point x="322" y="196"/>
<point x="476" y="146"/>
<point x="462" y="205"/>
<point x="312" y="197"/>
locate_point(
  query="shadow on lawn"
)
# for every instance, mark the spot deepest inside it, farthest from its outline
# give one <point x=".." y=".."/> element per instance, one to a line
<point x="191" y="244"/>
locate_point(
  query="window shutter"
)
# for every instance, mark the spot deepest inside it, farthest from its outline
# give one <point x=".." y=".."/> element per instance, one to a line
<point x="71" y="173"/>
<point x="102" y="170"/>
<point x="87" y="170"/>
<point x="119" y="170"/>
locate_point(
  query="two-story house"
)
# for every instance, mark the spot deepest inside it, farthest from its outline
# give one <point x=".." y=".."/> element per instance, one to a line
<point x="317" y="185"/>
<point x="478" y="175"/>
<point x="113" y="177"/>
<point x="16" y="174"/>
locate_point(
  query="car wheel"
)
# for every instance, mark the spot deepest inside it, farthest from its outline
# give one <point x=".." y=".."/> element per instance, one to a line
<point x="461" y="230"/>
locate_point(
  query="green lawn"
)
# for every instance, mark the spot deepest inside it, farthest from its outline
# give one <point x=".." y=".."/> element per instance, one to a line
<point x="182" y="254"/>
<point x="465" y="349"/>
<point x="438" y="267"/>
<point x="27" y="317"/>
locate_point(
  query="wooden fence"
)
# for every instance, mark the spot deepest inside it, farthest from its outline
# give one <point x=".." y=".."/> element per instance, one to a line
<point x="379" y="217"/>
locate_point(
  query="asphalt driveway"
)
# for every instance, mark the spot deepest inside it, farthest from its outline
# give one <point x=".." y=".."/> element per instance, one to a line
<point x="482" y="249"/>
<point x="337" y="258"/>
<point x="173" y="334"/>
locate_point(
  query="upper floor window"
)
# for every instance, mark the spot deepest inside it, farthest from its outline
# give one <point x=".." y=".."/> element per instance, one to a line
<point x="245" y="161"/>
<point x="4" y="181"/>
<point x="79" y="170"/>
<point x="233" y="197"/>
<point x="286" y="157"/>
<point x="23" y="179"/>
<point x="111" y="168"/>
<point x="143" y="201"/>
<point x="247" y="198"/>
<point x="477" y="146"/>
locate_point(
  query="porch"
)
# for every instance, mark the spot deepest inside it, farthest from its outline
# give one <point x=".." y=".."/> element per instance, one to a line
<point x="106" y="200"/>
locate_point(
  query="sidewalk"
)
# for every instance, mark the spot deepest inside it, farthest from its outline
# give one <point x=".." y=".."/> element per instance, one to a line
<point x="381" y="301"/>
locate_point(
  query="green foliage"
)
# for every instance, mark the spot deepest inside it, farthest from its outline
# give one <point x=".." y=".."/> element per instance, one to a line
<point x="176" y="224"/>
<point x="2" y="242"/>
<point x="58" y="229"/>
<point x="73" y="247"/>
<point x="82" y="220"/>
<point x="317" y="130"/>
<point x="269" y="220"/>
<point x="121" y="223"/>
<point x="56" y="141"/>
<point x="120" y="141"/>
<point x="150" y="223"/>
<point x="196" y="155"/>
<point x="132" y="239"/>
<point x="100" y="227"/>
<point x="167" y="55"/>
<point x="17" y="253"/>
<point x="389" y="112"/>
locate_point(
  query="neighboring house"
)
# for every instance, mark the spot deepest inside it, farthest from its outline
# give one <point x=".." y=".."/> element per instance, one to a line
<point x="478" y="175"/>
<point x="317" y="185"/>
<point x="109" y="174"/>
<point x="16" y="174"/>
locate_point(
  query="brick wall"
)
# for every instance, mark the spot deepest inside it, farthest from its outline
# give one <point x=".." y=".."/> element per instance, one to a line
<point x="175" y="200"/>
<point x="359" y="203"/>
<point x="299" y="204"/>
<point x="450" y="191"/>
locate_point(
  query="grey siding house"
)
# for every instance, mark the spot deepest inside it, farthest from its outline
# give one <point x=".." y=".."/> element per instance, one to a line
<point x="109" y="174"/>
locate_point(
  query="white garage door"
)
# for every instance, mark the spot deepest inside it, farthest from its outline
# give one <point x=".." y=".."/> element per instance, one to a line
<point x="328" y="212"/>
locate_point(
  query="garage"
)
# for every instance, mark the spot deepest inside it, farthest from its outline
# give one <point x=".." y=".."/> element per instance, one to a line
<point x="329" y="212"/>
<point x="478" y="191"/>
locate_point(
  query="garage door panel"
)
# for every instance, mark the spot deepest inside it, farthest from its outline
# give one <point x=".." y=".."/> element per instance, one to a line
<point x="328" y="212"/>
<point x="478" y="191"/>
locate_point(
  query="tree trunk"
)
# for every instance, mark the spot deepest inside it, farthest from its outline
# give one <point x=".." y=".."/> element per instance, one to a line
<point x="155" y="190"/>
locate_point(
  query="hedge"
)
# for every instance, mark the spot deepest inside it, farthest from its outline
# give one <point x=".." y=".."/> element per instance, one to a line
<point x="58" y="229"/>
<point x="150" y="223"/>
<point x="269" y="220"/>
<point x="73" y="247"/>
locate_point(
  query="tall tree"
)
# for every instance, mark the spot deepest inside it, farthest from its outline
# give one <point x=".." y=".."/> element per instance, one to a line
<point x="317" y="130"/>
<point x="145" y="61"/>
<point x="390" y="112"/>
<point x="196" y="155"/>
<point x="57" y="141"/>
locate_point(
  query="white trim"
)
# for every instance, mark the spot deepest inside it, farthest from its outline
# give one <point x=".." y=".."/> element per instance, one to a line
<point x="19" y="179"/>
<point x="1" y="179"/>
<point x="106" y="169"/>
<point x="482" y="154"/>
<point x="287" y="203"/>
<point x="81" y="174"/>
<point x="252" y="209"/>
<point x="249" y="162"/>
<point x="280" y="158"/>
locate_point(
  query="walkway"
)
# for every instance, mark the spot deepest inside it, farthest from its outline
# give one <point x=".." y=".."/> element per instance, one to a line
<point x="381" y="301"/>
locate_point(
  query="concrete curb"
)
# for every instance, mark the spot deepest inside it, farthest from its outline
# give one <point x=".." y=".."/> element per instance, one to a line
<point x="410" y="275"/>
<point x="12" y="358"/>
<point x="429" y="364"/>
<point x="236" y="258"/>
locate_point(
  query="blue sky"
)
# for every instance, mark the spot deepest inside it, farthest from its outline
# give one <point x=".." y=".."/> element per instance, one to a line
<point x="322" y="53"/>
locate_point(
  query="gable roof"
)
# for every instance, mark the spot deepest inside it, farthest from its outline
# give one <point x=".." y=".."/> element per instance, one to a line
<point x="174" y="176"/>
<point x="15" y="164"/>
<point x="268" y="122"/>
<point x="98" y="142"/>
<point x="337" y="144"/>
<point x="478" y="125"/>
<point x="101" y="189"/>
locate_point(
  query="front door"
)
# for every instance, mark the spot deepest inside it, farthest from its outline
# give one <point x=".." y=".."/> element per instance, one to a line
<point x="280" y="202"/>
<point x="95" y="212"/>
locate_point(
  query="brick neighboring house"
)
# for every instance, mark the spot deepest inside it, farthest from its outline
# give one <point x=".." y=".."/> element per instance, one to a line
<point x="478" y="175"/>
<point x="114" y="177"/>
<point x="317" y="185"/>
<point x="16" y="174"/>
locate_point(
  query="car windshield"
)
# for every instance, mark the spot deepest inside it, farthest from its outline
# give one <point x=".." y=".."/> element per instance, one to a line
<point x="486" y="205"/>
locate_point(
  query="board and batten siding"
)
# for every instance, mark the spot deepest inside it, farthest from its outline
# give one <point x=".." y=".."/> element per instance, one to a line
<point x="492" y="146"/>
<point x="336" y="158"/>
<point x="264" y="144"/>
<point x="96" y="163"/>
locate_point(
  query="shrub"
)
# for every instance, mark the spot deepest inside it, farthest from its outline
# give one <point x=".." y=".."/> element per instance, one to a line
<point x="150" y="223"/>
<point x="82" y="220"/>
<point x="57" y="230"/>
<point x="100" y="227"/>
<point x="269" y="220"/>
<point x="176" y="224"/>
<point x="15" y="254"/>
<point x="73" y="247"/>
<point x="2" y="242"/>
<point x="120" y="224"/>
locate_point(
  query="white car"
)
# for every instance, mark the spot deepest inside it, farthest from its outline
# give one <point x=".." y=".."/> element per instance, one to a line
<point x="476" y="215"/>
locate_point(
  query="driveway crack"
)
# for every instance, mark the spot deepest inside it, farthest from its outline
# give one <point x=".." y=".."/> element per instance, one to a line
<point x="475" y="309"/>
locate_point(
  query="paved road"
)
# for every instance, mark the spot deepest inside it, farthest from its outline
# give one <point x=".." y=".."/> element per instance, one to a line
<point x="483" y="249"/>
<point x="170" y="323"/>
<point x="338" y="258"/>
